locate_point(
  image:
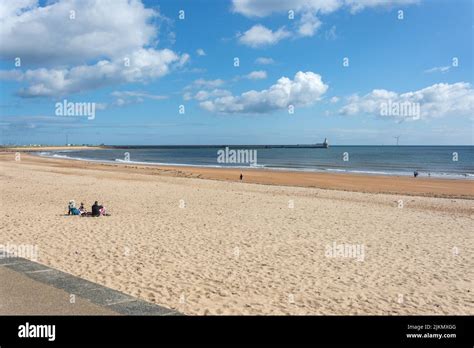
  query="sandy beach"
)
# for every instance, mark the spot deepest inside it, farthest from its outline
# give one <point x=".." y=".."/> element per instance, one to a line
<point x="199" y="241"/>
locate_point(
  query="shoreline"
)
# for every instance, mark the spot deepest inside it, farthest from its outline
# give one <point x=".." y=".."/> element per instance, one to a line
<point x="450" y="176"/>
<point x="353" y="182"/>
<point x="335" y="171"/>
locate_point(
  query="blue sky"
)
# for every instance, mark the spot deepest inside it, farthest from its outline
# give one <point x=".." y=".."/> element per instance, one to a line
<point x="423" y="60"/>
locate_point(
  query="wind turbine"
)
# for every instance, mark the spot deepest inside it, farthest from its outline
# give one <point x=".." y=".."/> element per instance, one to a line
<point x="397" y="137"/>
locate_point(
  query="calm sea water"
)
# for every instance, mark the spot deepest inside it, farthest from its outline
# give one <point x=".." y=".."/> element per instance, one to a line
<point x="438" y="161"/>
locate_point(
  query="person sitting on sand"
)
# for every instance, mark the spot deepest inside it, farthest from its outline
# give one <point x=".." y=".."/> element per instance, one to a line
<point x="72" y="210"/>
<point x="98" y="210"/>
<point x="102" y="210"/>
<point x="70" y="206"/>
<point x="82" y="209"/>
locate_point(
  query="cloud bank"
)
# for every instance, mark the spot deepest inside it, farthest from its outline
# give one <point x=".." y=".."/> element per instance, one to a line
<point x="89" y="45"/>
<point x="305" y="89"/>
<point x="438" y="100"/>
<point x="307" y="16"/>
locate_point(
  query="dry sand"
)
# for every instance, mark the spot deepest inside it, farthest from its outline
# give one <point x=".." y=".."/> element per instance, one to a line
<point x="239" y="248"/>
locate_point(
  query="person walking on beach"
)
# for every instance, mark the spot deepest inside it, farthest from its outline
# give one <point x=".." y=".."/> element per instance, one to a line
<point x="415" y="173"/>
<point x="241" y="177"/>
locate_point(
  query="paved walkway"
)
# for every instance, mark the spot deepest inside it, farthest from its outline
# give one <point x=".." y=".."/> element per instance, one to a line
<point x="29" y="288"/>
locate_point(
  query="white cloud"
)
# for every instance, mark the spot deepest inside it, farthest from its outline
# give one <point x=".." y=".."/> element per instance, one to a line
<point x="145" y="65"/>
<point x="438" y="100"/>
<point x="14" y="8"/>
<point x="205" y="89"/>
<point x="89" y="51"/>
<point x="334" y="100"/>
<point x="200" y="52"/>
<point x="257" y="75"/>
<point x="261" y="36"/>
<point x="309" y="10"/>
<point x="441" y="69"/>
<point x="264" y="61"/>
<point x="45" y="35"/>
<point x="204" y="95"/>
<point x="263" y="8"/>
<point x="305" y="89"/>
<point x="359" y="5"/>
<point x="309" y="24"/>
<point x="201" y="95"/>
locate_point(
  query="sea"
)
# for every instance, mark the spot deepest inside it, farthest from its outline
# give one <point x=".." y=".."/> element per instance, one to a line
<point x="432" y="161"/>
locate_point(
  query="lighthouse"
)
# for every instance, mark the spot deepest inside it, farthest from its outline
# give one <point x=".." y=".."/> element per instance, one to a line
<point x="326" y="143"/>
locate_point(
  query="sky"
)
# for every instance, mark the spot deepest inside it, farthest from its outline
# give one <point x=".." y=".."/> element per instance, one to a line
<point x="195" y="72"/>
